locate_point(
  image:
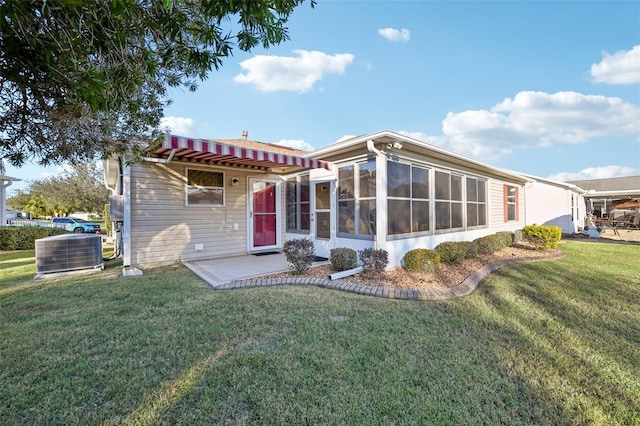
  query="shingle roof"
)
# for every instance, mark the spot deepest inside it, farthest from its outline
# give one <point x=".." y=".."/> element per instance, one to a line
<point x="610" y="184"/>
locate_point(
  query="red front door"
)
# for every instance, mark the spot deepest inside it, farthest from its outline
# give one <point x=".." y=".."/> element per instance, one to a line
<point x="264" y="214"/>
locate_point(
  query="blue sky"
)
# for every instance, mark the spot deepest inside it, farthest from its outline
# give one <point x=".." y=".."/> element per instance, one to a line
<point x="545" y="88"/>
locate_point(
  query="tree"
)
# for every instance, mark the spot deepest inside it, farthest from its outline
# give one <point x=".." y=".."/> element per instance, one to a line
<point x="78" y="189"/>
<point x="36" y="206"/>
<point x="86" y="78"/>
<point x="19" y="200"/>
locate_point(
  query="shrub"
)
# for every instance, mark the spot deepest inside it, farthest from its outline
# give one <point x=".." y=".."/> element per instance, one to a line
<point x="24" y="237"/>
<point x="454" y="252"/>
<point x="300" y="253"/>
<point x="374" y="261"/>
<point x="343" y="259"/>
<point x="487" y="244"/>
<point x="421" y="260"/>
<point x="541" y="236"/>
<point x="472" y="249"/>
<point x="506" y="238"/>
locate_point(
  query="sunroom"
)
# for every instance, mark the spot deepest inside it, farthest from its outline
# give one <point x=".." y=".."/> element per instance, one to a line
<point x="388" y="191"/>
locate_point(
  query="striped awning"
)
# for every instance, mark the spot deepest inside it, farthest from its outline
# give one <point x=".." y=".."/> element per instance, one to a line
<point x="216" y="152"/>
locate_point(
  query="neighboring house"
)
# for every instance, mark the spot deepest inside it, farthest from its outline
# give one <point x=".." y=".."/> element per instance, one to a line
<point x="602" y="195"/>
<point x="193" y="199"/>
<point x="5" y="182"/>
<point x="555" y="204"/>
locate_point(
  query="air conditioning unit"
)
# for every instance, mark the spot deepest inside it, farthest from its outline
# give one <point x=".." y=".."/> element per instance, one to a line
<point x="68" y="252"/>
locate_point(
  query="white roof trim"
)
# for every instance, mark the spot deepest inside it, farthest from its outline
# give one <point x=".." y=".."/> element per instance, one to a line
<point x="328" y="150"/>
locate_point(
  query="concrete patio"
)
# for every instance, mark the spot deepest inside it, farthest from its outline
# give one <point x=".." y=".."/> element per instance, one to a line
<point x="225" y="270"/>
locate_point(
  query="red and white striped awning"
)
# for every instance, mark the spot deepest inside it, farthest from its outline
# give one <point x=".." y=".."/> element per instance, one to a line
<point x="216" y="152"/>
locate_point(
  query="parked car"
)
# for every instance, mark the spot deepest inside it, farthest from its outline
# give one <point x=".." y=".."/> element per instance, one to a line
<point x="76" y="225"/>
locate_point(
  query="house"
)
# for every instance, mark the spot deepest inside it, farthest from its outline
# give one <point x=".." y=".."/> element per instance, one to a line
<point x="602" y="195"/>
<point x="193" y="199"/>
<point x="555" y="203"/>
<point x="5" y="182"/>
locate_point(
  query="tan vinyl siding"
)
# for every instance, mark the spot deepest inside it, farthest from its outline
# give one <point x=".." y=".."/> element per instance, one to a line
<point x="164" y="229"/>
<point x="496" y="207"/>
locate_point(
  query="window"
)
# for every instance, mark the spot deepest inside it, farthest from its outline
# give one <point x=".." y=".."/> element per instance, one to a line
<point x="510" y="203"/>
<point x="476" y="202"/>
<point x="357" y="199"/>
<point x="448" y="200"/>
<point x="205" y="188"/>
<point x="298" y="213"/>
<point x="407" y="198"/>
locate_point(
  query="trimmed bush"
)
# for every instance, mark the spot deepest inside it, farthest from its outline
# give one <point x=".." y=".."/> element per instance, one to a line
<point x="454" y="252"/>
<point x="343" y="259"/>
<point x="374" y="261"/>
<point x="420" y="259"/>
<point x="472" y="250"/>
<point x="299" y="253"/>
<point x="487" y="244"/>
<point x="541" y="236"/>
<point x="24" y="237"/>
<point x="506" y="238"/>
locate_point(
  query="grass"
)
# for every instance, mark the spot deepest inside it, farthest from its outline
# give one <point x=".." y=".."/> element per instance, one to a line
<point x="554" y="342"/>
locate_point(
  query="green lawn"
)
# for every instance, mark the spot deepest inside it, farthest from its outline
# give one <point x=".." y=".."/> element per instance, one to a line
<point x="554" y="342"/>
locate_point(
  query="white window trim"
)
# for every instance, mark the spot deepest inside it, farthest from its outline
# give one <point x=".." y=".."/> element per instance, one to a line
<point x="187" y="186"/>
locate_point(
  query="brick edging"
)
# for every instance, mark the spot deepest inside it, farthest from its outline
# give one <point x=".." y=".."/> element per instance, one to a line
<point x="464" y="288"/>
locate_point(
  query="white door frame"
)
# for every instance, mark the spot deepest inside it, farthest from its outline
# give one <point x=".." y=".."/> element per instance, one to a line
<point x="278" y="212"/>
<point x="323" y="246"/>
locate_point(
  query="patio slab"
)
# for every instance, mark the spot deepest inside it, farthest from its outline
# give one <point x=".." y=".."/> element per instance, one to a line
<point x="222" y="271"/>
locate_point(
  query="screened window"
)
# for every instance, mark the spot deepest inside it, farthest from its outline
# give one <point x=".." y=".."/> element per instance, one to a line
<point x="448" y="196"/>
<point x="476" y="202"/>
<point x="205" y="188"/>
<point x="510" y="203"/>
<point x="298" y="211"/>
<point x="357" y="199"/>
<point x="407" y="198"/>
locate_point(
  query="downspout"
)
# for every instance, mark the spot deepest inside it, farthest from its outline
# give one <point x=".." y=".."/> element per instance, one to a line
<point x="381" y="196"/>
<point x="126" y="231"/>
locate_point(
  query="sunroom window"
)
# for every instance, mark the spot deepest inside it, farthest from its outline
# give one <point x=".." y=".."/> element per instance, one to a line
<point x="407" y="198"/>
<point x="476" y="202"/>
<point x="448" y="187"/>
<point x="298" y="212"/>
<point x="357" y="199"/>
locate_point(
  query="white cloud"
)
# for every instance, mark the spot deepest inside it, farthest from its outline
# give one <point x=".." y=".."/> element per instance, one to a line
<point x="622" y="67"/>
<point x="296" y="144"/>
<point x="392" y="34"/>
<point x="596" y="173"/>
<point x="533" y="119"/>
<point x="293" y="74"/>
<point x="179" y="126"/>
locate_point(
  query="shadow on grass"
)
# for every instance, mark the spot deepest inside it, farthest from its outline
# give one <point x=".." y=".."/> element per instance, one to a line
<point x="568" y="332"/>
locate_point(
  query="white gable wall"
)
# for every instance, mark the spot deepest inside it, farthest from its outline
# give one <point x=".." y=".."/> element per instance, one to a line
<point x="549" y="204"/>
